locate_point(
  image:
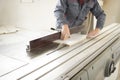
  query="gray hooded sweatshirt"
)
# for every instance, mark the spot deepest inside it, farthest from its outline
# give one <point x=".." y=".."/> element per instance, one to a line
<point x="71" y="12"/>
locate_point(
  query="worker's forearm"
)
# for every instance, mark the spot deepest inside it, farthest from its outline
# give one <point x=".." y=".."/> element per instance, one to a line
<point x="59" y="13"/>
<point x="101" y="21"/>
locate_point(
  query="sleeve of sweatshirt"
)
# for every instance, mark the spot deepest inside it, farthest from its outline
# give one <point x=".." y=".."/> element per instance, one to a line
<point x="99" y="14"/>
<point x="59" y="12"/>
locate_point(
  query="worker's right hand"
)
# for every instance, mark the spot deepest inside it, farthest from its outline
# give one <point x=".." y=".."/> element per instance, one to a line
<point x="93" y="33"/>
<point x="65" y="32"/>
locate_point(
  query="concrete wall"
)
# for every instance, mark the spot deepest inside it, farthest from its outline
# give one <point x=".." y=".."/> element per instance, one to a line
<point x="8" y="12"/>
<point x="39" y="13"/>
<point x="112" y="9"/>
<point x="34" y="15"/>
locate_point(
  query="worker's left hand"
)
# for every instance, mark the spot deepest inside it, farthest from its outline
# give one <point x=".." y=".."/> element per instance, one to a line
<point x="93" y="33"/>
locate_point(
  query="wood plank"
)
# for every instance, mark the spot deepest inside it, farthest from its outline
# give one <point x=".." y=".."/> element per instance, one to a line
<point x="8" y="29"/>
<point x="74" y="39"/>
<point x="38" y="62"/>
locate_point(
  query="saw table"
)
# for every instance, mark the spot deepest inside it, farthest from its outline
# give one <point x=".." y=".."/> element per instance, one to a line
<point x="90" y="59"/>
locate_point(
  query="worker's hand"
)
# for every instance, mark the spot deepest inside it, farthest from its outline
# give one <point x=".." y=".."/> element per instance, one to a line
<point x="93" y="33"/>
<point x="65" y="32"/>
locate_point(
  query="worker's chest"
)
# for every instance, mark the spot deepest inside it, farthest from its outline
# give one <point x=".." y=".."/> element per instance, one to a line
<point x="75" y="8"/>
<point x="75" y="5"/>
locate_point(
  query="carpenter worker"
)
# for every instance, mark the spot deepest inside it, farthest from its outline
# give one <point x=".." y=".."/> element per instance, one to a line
<point x="72" y="13"/>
